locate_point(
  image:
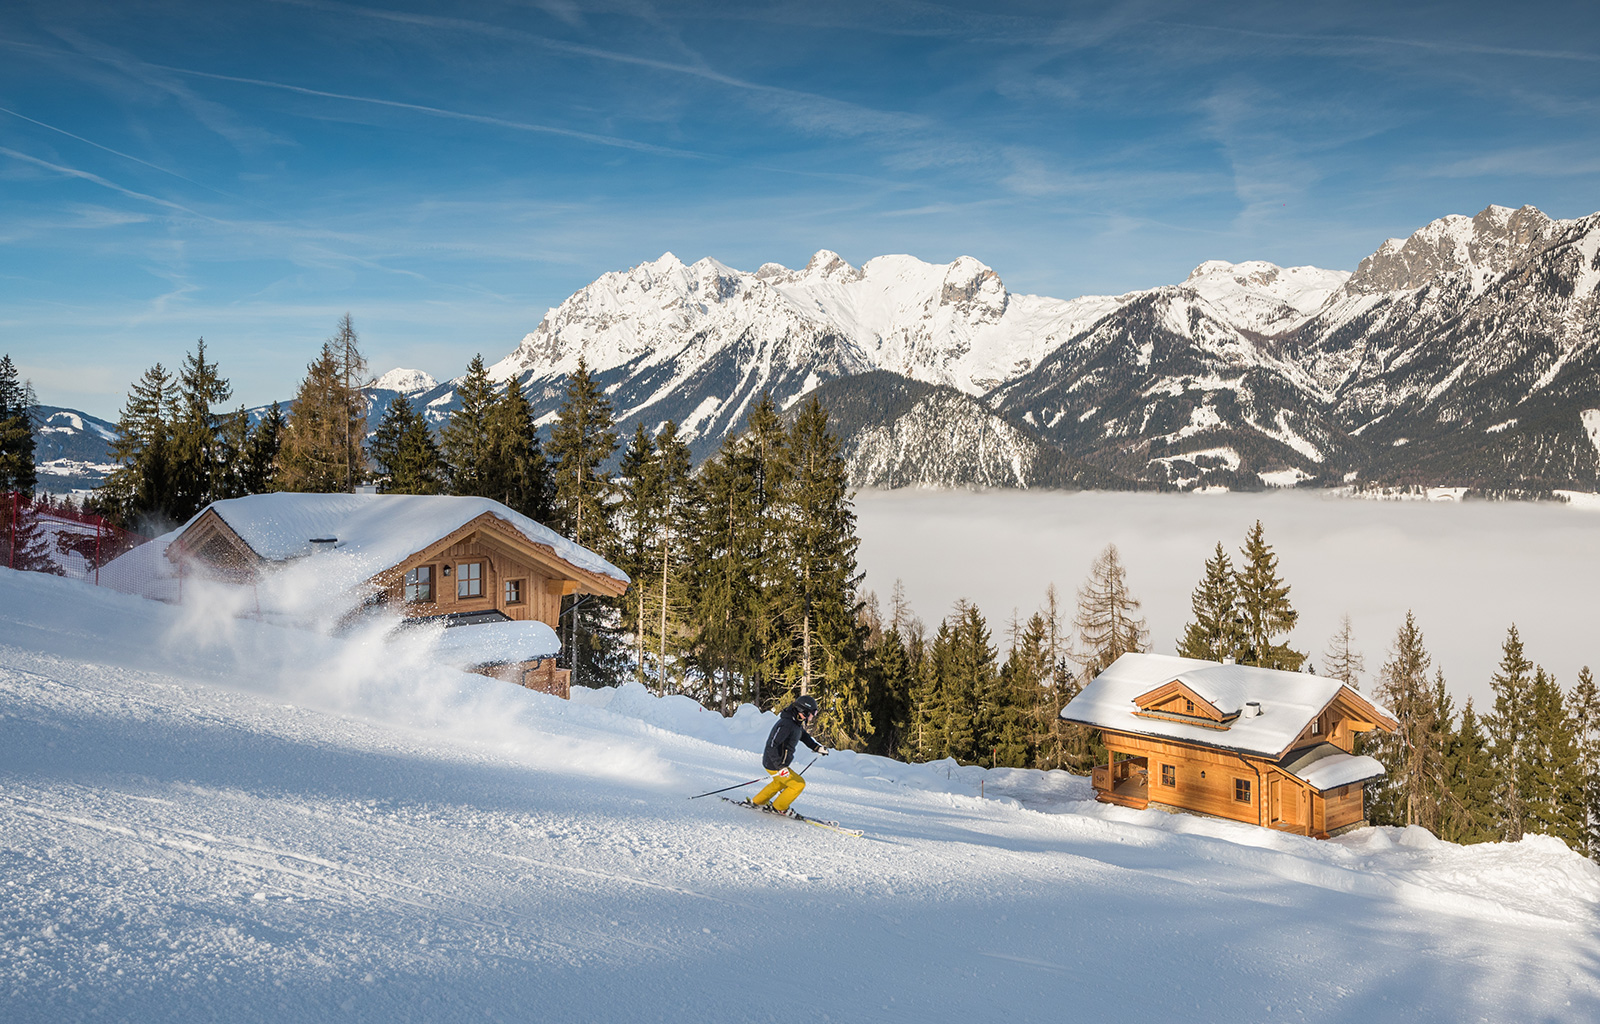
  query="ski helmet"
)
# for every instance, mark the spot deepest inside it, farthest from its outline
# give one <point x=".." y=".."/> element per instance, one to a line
<point x="806" y="705"/>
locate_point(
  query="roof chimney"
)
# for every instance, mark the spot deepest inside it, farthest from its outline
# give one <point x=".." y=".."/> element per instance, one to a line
<point x="1252" y="708"/>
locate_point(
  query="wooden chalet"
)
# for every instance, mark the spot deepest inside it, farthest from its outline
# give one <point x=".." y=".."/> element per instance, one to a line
<point x="1271" y="748"/>
<point x="462" y="562"/>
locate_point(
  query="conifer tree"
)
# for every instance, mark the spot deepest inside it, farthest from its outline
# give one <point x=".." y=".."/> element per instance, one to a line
<point x="895" y="680"/>
<point x="24" y="544"/>
<point x="1341" y="660"/>
<point x="404" y="451"/>
<point x="1414" y="753"/>
<point x="1214" y="635"/>
<point x="724" y="586"/>
<point x="819" y="546"/>
<point x="521" y="474"/>
<point x="16" y="430"/>
<point x="1023" y="688"/>
<point x="1264" y="609"/>
<point x="1507" y="727"/>
<point x="1469" y="813"/>
<point x="769" y="462"/>
<point x="1550" y="772"/>
<point x="198" y="466"/>
<point x="465" y="441"/>
<point x="233" y="449"/>
<point x="322" y="442"/>
<point x="1584" y="711"/>
<point x="137" y="491"/>
<point x="261" y="452"/>
<point x="582" y="440"/>
<point x="640" y="508"/>
<point x="1106" y="623"/>
<point x="668" y="566"/>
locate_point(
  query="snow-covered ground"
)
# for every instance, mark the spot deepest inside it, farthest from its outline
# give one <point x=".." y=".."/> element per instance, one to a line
<point x="208" y="819"/>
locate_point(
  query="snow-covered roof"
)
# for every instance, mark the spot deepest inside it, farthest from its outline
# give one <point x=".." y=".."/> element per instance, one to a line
<point x="377" y="531"/>
<point x="496" y="643"/>
<point x="1325" y="766"/>
<point x="1289" y="702"/>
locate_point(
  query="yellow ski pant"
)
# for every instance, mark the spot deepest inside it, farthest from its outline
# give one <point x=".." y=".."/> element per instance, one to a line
<point x="785" y="780"/>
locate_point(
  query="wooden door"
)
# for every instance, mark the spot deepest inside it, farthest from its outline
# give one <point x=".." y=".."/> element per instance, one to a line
<point x="1274" y="800"/>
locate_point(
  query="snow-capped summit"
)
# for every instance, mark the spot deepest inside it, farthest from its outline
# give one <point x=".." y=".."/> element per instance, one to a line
<point x="1263" y="297"/>
<point x="405" y="382"/>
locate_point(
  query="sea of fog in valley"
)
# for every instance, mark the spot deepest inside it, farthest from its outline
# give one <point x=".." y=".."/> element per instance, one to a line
<point x="1467" y="569"/>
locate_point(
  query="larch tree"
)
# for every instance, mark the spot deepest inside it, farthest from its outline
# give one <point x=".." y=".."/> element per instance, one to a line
<point x="323" y="448"/>
<point x="1414" y="753"/>
<point x="1341" y="660"/>
<point x="1107" y="622"/>
<point x="1215" y="633"/>
<point x="1264" y="609"/>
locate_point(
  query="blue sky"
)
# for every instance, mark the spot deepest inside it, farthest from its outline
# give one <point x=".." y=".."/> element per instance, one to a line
<point x="248" y="171"/>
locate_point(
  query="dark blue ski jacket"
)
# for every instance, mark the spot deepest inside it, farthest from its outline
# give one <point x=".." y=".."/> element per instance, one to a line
<point x="781" y="741"/>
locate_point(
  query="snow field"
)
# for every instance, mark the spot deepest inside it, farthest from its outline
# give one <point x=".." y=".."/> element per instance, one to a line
<point x="210" y="818"/>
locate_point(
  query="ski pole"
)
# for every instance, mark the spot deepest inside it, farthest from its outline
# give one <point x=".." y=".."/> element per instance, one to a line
<point x="807" y="768"/>
<point x="724" y="789"/>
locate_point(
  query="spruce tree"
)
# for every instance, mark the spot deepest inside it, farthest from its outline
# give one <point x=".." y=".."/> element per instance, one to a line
<point x="819" y="546"/>
<point x="1264" y="609"/>
<point x="895" y="679"/>
<point x="1550" y="772"/>
<point x="638" y="511"/>
<point x="465" y="441"/>
<point x="198" y="466"/>
<point x="404" y="451"/>
<point x="520" y="479"/>
<point x="261" y="452"/>
<point x="137" y="492"/>
<point x="723" y="585"/>
<point x="582" y="440"/>
<point x="17" y="404"/>
<point x="1214" y="635"/>
<point x="1583" y="705"/>
<point x="1469" y="813"/>
<point x="669" y="561"/>
<point x="1507" y="727"/>
<point x="1106" y="623"/>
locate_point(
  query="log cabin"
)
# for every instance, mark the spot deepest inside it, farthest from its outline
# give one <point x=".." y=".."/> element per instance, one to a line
<point x="1262" y="746"/>
<point x="460" y="563"/>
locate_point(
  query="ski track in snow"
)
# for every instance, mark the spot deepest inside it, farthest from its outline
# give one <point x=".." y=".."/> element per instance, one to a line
<point x="195" y="826"/>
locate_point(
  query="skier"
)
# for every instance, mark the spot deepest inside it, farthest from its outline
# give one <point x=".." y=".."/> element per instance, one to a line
<point x="791" y="729"/>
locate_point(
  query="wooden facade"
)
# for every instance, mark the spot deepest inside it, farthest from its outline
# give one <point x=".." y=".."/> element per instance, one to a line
<point x="486" y="565"/>
<point x="1202" y="773"/>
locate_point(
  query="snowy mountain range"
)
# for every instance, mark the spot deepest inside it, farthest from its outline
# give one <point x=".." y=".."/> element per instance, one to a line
<point x="1464" y="355"/>
<point x="1467" y="355"/>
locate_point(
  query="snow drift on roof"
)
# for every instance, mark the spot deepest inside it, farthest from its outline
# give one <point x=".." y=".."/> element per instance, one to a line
<point x="1289" y="701"/>
<point x="1325" y="766"/>
<point x="377" y="530"/>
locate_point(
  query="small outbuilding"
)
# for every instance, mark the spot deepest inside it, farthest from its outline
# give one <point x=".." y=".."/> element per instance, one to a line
<point x="491" y="577"/>
<point x="1257" y="745"/>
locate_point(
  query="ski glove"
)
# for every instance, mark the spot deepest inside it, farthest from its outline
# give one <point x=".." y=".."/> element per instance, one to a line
<point x="822" y="751"/>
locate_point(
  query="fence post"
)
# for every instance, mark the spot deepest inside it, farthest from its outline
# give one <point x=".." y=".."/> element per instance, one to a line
<point x="97" y="523"/>
<point x="12" y="564"/>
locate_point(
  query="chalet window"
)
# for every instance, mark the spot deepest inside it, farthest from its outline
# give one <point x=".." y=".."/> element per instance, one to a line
<point x="1241" y="790"/>
<point x="513" y="591"/>
<point x="419" y="584"/>
<point x="1188" y="707"/>
<point x="1316" y="727"/>
<point x="469" y="579"/>
<point x="1169" y="775"/>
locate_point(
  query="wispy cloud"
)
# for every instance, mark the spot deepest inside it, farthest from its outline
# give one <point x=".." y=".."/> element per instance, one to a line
<point x="1365" y="43"/>
<point x="73" y="172"/>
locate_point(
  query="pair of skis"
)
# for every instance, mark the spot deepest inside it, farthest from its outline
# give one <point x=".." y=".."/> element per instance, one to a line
<point x="832" y="826"/>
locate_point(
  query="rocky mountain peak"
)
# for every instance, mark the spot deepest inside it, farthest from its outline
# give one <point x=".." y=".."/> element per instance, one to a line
<point x="405" y="382"/>
<point x="1477" y="249"/>
<point x="973" y="285"/>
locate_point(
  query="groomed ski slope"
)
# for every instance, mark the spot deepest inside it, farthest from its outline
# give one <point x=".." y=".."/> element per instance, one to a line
<point x="210" y="819"/>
